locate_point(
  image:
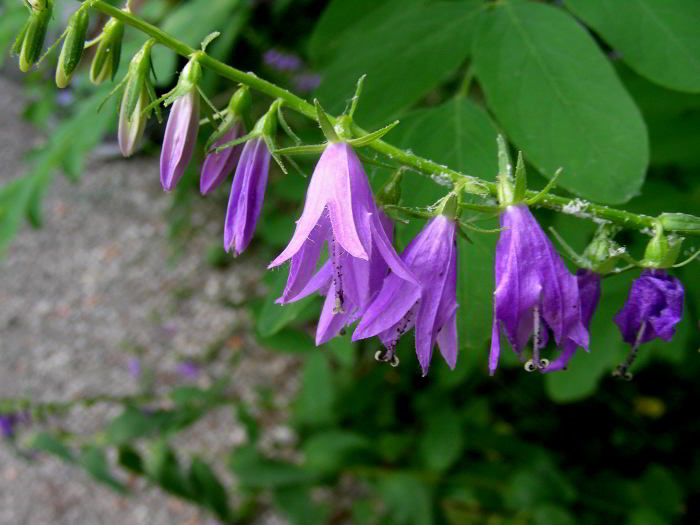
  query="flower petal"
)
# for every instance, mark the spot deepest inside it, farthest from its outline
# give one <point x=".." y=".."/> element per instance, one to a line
<point x="218" y="166"/>
<point x="180" y="138"/>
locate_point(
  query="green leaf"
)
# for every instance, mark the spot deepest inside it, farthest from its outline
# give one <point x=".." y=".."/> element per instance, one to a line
<point x="551" y="515"/>
<point x="15" y="198"/>
<point x="460" y="134"/>
<point x="314" y="404"/>
<point x="327" y="452"/>
<point x="441" y="443"/>
<point x="163" y="468"/>
<point x="94" y="462"/>
<point x="190" y="23"/>
<point x="273" y="317"/>
<point x="48" y="443"/>
<point x="256" y="472"/>
<point x="130" y="459"/>
<point x="662" y="43"/>
<point x="407" y="499"/>
<point x="413" y="51"/>
<point x="296" y="503"/>
<point x="129" y="425"/>
<point x="559" y="100"/>
<point x="208" y="490"/>
<point x="342" y="21"/>
<point x="289" y="340"/>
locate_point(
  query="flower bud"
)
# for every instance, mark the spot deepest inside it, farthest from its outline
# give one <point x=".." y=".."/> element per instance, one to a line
<point x="679" y="221"/>
<point x="602" y="254"/>
<point x="132" y="118"/>
<point x="106" y="60"/>
<point x="390" y="193"/>
<point x="31" y="39"/>
<point x="73" y="46"/>
<point x="662" y="250"/>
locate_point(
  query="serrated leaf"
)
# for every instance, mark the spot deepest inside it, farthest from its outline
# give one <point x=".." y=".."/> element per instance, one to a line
<point x="409" y="54"/>
<point x="658" y="39"/>
<point x="559" y="100"/>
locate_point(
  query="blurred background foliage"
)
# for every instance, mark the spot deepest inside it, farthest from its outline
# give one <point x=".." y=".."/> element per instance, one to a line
<point x="608" y="90"/>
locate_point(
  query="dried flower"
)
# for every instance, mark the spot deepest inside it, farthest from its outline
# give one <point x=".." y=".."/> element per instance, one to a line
<point x="534" y="290"/>
<point x="430" y="304"/>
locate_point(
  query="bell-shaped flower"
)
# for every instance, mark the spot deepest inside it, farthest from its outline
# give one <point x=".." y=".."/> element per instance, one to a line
<point x="430" y="304"/>
<point x="183" y="124"/>
<point x="340" y="210"/>
<point x="653" y="309"/>
<point x="534" y="290"/>
<point x="589" y="292"/>
<point x="218" y="165"/>
<point x="247" y="194"/>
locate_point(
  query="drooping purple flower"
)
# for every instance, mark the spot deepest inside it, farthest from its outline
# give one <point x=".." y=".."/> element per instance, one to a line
<point x="653" y="309"/>
<point x="217" y="166"/>
<point x="589" y="292"/>
<point x="7" y="424"/>
<point x="430" y="304"/>
<point x="180" y="138"/>
<point x="246" y="197"/>
<point x="341" y="211"/>
<point x="534" y="290"/>
<point x="282" y="61"/>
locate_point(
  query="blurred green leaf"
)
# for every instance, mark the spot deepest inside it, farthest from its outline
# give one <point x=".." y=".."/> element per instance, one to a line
<point x="256" y="472"/>
<point x="663" y="43"/>
<point x="129" y="425"/>
<point x="314" y="403"/>
<point x="94" y="462"/>
<point x="407" y="499"/>
<point x="48" y="443"/>
<point x="541" y="482"/>
<point x="164" y="469"/>
<point x="441" y="443"/>
<point x="130" y="459"/>
<point x="273" y="317"/>
<point x="327" y="451"/>
<point x="208" y="490"/>
<point x="551" y="515"/>
<point x="296" y="503"/>
<point x="405" y="57"/>
<point x="290" y="340"/>
<point x="558" y="99"/>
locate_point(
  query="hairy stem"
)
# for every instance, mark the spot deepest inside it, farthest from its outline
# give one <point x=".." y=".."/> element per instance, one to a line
<point x="468" y="183"/>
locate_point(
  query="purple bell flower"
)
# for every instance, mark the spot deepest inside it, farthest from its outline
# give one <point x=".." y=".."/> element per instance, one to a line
<point x="217" y="166"/>
<point x="341" y="211"/>
<point x="534" y="290"/>
<point x="430" y="304"/>
<point x="589" y="292"/>
<point x="180" y="139"/>
<point x="7" y="424"/>
<point x="653" y="309"/>
<point x="246" y="197"/>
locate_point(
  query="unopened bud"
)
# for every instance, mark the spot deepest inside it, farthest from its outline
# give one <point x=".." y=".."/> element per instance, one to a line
<point x="73" y="46"/>
<point x="240" y="101"/>
<point x="390" y="193"/>
<point x="31" y="39"/>
<point x="132" y="118"/>
<point x="662" y="250"/>
<point x="679" y="221"/>
<point x="602" y="254"/>
<point x="106" y="60"/>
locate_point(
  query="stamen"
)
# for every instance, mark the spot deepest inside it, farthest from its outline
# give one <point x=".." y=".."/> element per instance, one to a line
<point x="621" y="370"/>
<point x="530" y="366"/>
<point x="535" y="339"/>
<point x="387" y="355"/>
<point x="337" y="276"/>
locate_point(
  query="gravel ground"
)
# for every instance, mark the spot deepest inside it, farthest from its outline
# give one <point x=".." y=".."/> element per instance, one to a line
<point x="95" y="285"/>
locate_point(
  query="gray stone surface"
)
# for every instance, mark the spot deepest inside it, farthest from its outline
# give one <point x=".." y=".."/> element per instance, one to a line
<point x="94" y="286"/>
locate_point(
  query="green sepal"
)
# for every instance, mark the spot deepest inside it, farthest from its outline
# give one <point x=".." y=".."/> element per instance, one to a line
<point x="390" y="192"/>
<point x="544" y="191"/>
<point x="208" y="39"/>
<point x="73" y="46"/>
<point x="137" y="77"/>
<point x="308" y="149"/>
<point x="473" y="228"/>
<point x="325" y="123"/>
<point x="356" y="96"/>
<point x="506" y="190"/>
<point x="365" y="140"/>
<point x="425" y="213"/>
<point x="239" y="140"/>
<point x="520" y="179"/>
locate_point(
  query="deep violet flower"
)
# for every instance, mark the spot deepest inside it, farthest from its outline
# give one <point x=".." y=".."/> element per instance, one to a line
<point x="430" y="304"/>
<point x="589" y="292"/>
<point x="7" y="424"/>
<point x="246" y="197"/>
<point x="180" y="138"/>
<point x="282" y="61"/>
<point x="341" y="211"/>
<point x="534" y="290"/>
<point x="653" y="309"/>
<point x="217" y="166"/>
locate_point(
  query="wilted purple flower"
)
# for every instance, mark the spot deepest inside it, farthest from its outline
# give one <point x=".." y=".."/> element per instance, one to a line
<point x="339" y="209"/>
<point x="180" y="139"/>
<point x="188" y="369"/>
<point x="217" y="166"/>
<point x="589" y="292"/>
<point x="282" y="61"/>
<point x="430" y="304"/>
<point x="247" y="193"/>
<point x="653" y="309"/>
<point x="307" y="82"/>
<point x="534" y="290"/>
